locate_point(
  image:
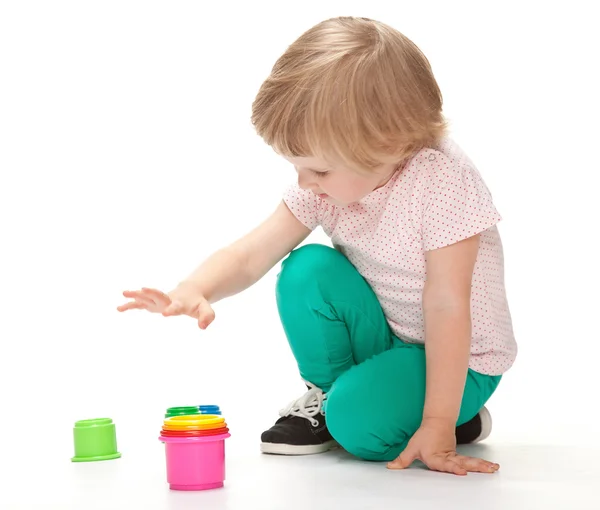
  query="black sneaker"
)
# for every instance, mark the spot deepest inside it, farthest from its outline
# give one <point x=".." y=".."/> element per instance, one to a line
<point x="301" y="430"/>
<point x="476" y="429"/>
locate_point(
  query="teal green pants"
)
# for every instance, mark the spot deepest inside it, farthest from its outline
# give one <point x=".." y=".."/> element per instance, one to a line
<point x="375" y="382"/>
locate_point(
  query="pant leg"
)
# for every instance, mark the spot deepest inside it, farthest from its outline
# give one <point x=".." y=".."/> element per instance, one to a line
<point x="330" y="315"/>
<point x="374" y="408"/>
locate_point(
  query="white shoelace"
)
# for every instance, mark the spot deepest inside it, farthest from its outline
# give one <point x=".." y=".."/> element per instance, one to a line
<point x="308" y="405"/>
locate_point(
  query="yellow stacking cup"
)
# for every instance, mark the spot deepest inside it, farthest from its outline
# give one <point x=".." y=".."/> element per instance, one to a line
<point x="194" y="422"/>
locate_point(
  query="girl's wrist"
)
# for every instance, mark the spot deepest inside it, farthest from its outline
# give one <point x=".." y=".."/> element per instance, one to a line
<point x="188" y="285"/>
<point x="439" y="422"/>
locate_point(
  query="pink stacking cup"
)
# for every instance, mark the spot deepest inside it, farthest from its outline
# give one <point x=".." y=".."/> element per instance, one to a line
<point x="195" y="463"/>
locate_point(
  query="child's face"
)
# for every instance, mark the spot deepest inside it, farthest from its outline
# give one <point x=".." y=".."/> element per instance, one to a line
<point x="336" y="184"/>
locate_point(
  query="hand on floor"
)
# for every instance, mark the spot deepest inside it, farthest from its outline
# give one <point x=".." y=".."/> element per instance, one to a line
<point x="434" y="444"/>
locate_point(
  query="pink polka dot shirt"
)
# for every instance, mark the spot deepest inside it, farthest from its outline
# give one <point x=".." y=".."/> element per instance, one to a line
<point x="438" y="198"/>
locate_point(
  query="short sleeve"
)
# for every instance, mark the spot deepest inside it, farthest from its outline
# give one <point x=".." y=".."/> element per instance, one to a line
<point x="305" y="205"/>
<point x="458" y="205"/>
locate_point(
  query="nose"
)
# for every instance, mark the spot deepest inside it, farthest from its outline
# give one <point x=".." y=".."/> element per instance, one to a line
<point x="304" y="180"/>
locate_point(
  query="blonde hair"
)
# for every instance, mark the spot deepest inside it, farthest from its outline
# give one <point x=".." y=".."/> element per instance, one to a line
<point x="351" y="91"/>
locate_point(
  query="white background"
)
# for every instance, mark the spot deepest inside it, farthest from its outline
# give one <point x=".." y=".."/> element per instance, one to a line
<point x="127" y="156"/>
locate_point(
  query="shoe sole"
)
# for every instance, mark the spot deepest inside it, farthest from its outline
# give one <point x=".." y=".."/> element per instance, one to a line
<point x="486" y="425"/>
<point x="291" y="449"/>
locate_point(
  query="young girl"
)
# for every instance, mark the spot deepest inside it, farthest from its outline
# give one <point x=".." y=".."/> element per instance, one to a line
<point x="407" y="317"/>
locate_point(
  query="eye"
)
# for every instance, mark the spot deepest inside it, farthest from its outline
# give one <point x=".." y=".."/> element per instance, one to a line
<point x="318" y="174"/>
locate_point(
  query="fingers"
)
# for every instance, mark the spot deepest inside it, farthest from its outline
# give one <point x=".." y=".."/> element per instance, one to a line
<point x="159" y="297"/>
<point x="157" y="301"/>
<point x="205" y="314"/>
<point x="476" y="465"/>
<point x="404" y="460"/>
<point x="460" y="465"/>
<point x="444" y="463"/>
<point x="139" y="296"/>
<point x="447" y="466"/>
<point x="132" y="305"/>
<point x="152" y="300"/>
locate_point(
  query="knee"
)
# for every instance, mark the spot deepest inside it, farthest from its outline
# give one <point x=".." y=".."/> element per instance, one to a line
<point x="352" y="424"/>
<point x="306" y="265"/>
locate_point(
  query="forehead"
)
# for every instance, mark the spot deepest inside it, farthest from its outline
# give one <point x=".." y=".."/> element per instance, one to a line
<point x="308" y="162"/>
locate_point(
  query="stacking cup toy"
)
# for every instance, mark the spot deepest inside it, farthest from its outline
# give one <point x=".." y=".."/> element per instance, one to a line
<point x="187" y="410"/>
<point x="181" y="411"/>
<point x="209" y="409"/>
<point x="95" y="440"/>
<point x="195" y="451"/>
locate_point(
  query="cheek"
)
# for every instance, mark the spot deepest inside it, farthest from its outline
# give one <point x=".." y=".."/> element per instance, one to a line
<point x="358" y="187"/>
<point x="347" y="189"/>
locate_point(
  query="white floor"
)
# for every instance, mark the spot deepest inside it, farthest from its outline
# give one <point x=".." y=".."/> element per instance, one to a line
<point x="531" y="477"/>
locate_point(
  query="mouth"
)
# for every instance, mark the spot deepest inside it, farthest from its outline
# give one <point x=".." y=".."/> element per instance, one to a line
<point x="323" y="195"/>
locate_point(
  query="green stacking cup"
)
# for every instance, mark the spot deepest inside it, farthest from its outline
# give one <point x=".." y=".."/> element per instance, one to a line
<point x="95" y="440"/>
<point x="181" y="411"/>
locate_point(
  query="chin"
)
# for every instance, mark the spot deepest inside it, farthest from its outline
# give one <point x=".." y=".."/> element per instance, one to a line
<point x="340" y="203"/>
<point x="336" y="201"/>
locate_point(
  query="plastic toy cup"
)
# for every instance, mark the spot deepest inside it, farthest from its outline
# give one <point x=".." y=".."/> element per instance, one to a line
<point x="195" y="463"/>
<point x="95" y="440"/>
<point x="193" y="433"/>
<point x="182" y="411"/>
<point x="195" y="451"/>
<point x="194" y="422"/>
<point x="209" y="409"/>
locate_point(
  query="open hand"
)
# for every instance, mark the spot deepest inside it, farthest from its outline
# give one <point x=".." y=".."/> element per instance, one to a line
<point x="186" y="299"/>
<point x="434" y="444"/>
